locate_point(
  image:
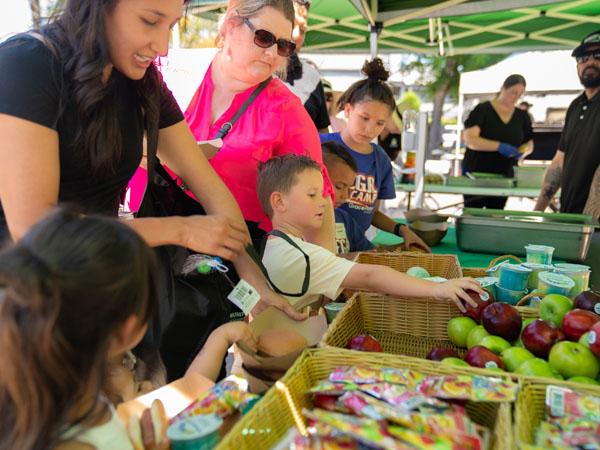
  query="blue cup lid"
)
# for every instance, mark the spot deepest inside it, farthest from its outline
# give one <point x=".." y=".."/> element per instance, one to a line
<point x="537" y="267"/>
<point x="516" y="268"/>
<point x="570" y="268"/>
<point x="539" y="248"/>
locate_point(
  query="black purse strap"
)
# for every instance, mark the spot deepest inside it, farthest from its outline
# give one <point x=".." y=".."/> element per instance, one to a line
<point x="254" y="255"/>
<point x="227" y="126"/>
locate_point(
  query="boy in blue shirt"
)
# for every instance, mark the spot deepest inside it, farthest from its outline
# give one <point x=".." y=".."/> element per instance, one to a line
<point x="342" y="169"/>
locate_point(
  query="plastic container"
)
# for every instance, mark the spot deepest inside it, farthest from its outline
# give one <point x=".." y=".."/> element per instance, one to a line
<point x="199" y="432"/>
<point x="514" y="277"/>
<point x="554" y="283"/>
<point x="488" y="283"/>
<point x="535" y="271"/>
<point x="579" y="273"/>
<point x="332" y="309"/>
<point x="539" y="254"/>
<point x="509" y="295"/>
<point x="487" y="230"/>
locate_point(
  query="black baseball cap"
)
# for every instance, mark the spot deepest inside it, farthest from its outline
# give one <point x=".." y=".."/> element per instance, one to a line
<point x="591" y="39"/>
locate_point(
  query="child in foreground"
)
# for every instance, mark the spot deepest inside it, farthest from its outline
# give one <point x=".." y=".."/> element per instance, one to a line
<point x="77" y="292"/>
<point x="290" y="190"/>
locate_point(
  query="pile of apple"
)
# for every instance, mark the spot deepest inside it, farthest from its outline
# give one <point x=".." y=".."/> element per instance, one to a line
<point x="564" y="343"/>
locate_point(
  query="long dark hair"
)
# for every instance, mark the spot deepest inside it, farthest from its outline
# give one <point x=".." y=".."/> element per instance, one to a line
<point x="374" y="87"/>
<point x="78" y="34"/>
<point x="67" y="286"/>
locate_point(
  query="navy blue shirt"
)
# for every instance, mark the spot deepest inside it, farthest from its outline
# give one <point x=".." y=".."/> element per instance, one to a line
<point x="348" y="235"/>
<point x="374" y="181"/>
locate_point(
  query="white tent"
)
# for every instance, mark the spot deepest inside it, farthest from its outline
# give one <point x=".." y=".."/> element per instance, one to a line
<point x="544" y="72"/>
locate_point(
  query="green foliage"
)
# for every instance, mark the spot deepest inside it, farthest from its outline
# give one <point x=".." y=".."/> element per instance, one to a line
<point x="409" y="100"/>
<point x="444" y="71"/>
<point x="197" y="32"/>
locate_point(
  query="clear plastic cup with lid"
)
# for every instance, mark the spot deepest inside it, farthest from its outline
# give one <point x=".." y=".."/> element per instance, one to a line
<point x="199" y="432"/>
<point x="539" y="254"/>
<point x="554" y="283"/>
<point x="514" y="277"/>
<point x="532" y="283"/>
<point x="579" y="273"/>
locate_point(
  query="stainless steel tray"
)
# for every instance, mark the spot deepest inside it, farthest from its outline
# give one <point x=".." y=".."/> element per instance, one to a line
<point x="507" y="232"/>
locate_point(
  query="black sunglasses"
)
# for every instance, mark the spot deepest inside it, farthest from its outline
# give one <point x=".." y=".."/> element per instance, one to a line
<point x="585" y="56"/>
<point x="266" y="39"/>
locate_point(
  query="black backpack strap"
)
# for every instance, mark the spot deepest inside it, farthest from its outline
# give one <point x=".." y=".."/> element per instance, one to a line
<point x="254" y="255"/>
<point x="227" y="126"/>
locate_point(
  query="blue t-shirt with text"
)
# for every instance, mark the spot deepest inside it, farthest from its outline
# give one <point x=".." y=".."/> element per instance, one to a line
<point x="374" y="181"/>
<point x="348" y="235"/>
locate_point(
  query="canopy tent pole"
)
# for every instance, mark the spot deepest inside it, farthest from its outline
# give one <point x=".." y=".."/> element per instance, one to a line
<point x="373" y="31"/>
<point x="459" y="127"/>
<point x="420" y="158"/>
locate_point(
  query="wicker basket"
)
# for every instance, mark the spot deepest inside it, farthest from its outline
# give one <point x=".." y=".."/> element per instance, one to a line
<point x="480" y="272"/>
<point x="270" y="418"/>
<point x="446" y="266"/>
<point x="403" y="326"/>
<point x="530" y="408"/>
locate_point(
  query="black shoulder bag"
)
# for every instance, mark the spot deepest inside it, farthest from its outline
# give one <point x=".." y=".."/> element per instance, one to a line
<point x="190" y="306"/>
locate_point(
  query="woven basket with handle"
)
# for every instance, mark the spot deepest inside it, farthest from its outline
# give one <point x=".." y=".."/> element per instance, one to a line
<point x="280" y="408"/>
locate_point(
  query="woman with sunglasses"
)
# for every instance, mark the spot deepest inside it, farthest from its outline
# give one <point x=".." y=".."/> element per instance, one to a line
<point x="254" y="43"/>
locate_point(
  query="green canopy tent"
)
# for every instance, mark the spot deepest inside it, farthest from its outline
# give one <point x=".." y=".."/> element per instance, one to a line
<point x="444" y="27"/>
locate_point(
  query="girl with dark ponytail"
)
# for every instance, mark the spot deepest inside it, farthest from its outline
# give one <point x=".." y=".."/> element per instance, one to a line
<point x="368" y="104"/>
<point x="74" y="290"/>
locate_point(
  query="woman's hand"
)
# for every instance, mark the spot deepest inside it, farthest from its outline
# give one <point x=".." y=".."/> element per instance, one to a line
<point x="216" y="235"/>
<point x="455" y="291"/>
<point x="411" y="238"/>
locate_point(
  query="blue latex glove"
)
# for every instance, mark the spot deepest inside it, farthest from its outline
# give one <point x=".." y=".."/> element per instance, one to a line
<point x="510" y="151"/>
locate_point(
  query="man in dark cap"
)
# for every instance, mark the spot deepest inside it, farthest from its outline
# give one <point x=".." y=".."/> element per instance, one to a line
<point x="576" y="166"/>
<point x="578" y="155"/>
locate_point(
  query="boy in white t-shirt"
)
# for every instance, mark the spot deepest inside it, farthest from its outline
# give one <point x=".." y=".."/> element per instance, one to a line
<point x="290" y="191"/>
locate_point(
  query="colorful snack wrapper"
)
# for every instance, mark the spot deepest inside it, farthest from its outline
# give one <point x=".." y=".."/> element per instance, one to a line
<point x="318" y="442"/>
<point x="330" y="388"/>
<point x="562" y="402"/>
<point x="368" y="431"/>
<point x="330" y="403"/>
<point x="467" y="387"/>
<point x="223" y="399"/>
<point x="367" y="375"/>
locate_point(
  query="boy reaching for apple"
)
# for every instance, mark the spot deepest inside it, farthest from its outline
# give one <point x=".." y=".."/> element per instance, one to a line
<point x="290" y="191"/>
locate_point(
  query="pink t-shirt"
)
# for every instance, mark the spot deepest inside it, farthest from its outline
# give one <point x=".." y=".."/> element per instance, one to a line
<point x="274" y="124"/>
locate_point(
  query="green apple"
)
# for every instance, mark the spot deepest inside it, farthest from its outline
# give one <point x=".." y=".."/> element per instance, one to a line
<point x="458" y="329"/>
<point x="495" y="344"/>
<point x="587" y="380"/>
<point x="554" y="307"/>
<point x="526" y="322"/>
<point x="455" y="361"/>
<point x="536" y="367"/>
<point x="418" y="272"/>
<point x="571" y="359"/>
<point x="583" y="340"/>
<point x="513" y="357"/>
<point x="476" y="335"/>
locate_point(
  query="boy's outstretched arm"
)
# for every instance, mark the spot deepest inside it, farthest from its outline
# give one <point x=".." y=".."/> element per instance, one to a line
<point x="209" y="360"/>
<point x="384" y="279"/>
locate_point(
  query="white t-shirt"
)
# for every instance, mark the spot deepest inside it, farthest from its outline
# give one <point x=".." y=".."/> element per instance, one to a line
<point x="286" y="266"/>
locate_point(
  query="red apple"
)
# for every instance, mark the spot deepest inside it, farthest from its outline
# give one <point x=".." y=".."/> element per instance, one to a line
<point x="588" y="300"/>
<point x="482" y="301"/>
<point x="439" y="353"/>
<point x="364" y="343"/>
<point x="594" y="339"/>
<point x="480" y="356"/>
<point x="578" y="321"/>
<point x="502" y="319"/>
<point x="540" y="335"/>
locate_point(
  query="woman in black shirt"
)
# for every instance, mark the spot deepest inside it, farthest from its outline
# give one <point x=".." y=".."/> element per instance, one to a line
<point x="497" y="134"/>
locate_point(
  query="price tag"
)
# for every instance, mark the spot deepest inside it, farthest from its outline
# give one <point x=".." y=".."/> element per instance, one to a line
<point x="244" y="297"/>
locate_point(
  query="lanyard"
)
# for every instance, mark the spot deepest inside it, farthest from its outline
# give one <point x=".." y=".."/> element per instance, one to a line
<point x="254" y="255"/>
